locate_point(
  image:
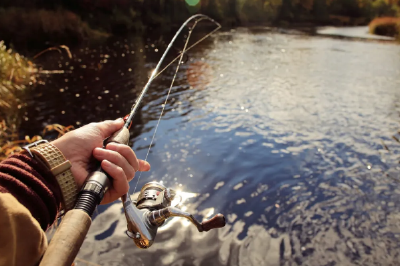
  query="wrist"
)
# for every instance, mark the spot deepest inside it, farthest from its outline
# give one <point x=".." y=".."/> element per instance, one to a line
<point x="62" y="146"/>
<point x="53" y="159"/>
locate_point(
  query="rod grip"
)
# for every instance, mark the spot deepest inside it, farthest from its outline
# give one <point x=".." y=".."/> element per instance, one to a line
<point x="217" y="221"/>
<point x="67" y="240"/>
<point x="121" y="136"/>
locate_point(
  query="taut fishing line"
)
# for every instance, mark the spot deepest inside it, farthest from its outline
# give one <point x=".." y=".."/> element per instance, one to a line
<point x="198" y="18"/>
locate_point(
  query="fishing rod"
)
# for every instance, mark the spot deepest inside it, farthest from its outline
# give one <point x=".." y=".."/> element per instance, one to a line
<point x="153" y="205"/>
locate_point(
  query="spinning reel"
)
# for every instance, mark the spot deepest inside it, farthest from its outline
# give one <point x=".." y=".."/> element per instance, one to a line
<point x="152" y="208"/>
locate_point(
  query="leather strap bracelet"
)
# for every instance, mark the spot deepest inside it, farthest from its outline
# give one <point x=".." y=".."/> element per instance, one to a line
<point x="50" y="156"/>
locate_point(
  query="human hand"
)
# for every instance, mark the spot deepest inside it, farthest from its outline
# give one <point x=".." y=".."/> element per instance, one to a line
<point x="118" y="160"/>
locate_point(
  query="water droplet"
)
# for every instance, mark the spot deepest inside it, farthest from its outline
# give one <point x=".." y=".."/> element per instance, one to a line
<point x="283" y="50"/>
<point x="106" y="91"/>
<point x="97" y="78"/>
<point x="63" y="112"/>
<point x="66" y="80"/>
<point x="99" y="97"/>
<point x="110" y="105"/>
<point x="156" y="50"/>
<point x="247" y="110"/>
<point x="123" y="55"/>
<point x="78" y="123"/>
<point x="61" y="90"/>
<point x="369" y="167"/>
<point x="129" y="69"/>
<point x="242" y="107"/>
<point x="221" y="75"/>
<point x="77" y="95"/>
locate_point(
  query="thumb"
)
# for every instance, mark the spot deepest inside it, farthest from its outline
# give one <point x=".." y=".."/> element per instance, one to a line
<point x="108" y="127"/>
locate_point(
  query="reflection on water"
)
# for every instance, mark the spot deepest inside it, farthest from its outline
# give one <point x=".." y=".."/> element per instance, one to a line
<point x="283" y="134"/>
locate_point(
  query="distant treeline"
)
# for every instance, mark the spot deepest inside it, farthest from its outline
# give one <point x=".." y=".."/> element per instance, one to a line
<point x="86" y="18"/>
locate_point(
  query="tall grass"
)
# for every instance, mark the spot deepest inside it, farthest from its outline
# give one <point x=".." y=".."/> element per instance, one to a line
<point x="16" y="73"/>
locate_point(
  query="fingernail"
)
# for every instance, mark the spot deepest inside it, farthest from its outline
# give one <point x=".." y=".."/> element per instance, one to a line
<point x="107" y="163"/>
<point x="147" y="164"/>
<point x="119" y="120"/>
<point x="99" y="150"/>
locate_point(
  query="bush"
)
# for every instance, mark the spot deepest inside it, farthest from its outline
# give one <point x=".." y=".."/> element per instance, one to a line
<point x="387" y="26"/>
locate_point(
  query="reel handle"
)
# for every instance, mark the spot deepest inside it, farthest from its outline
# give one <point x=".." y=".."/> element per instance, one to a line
<point x="217" y="221"/>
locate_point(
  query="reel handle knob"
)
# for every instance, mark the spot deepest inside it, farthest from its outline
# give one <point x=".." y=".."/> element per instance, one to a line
<point x="217" y="221"/>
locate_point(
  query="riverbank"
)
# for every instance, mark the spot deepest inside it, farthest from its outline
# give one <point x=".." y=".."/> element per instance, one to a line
<point x="45" y="23"/>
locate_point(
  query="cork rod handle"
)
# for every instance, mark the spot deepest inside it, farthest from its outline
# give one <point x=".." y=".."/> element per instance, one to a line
<point x="67" y="240"/>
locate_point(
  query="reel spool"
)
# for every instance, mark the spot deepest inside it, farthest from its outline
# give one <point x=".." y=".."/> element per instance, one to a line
<point x="150" y="211"/>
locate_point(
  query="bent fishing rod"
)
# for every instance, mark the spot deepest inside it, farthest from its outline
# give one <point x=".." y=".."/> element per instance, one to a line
<point x="153" y="205"/>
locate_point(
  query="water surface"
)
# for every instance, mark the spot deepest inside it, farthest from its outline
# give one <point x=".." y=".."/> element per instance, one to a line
<point x="289" y="136"/>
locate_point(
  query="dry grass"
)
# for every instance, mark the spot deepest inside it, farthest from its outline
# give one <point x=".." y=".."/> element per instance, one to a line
<point x="10" y="142"/>
<point x="387" y="26"/>
<point x="15" y="73"/>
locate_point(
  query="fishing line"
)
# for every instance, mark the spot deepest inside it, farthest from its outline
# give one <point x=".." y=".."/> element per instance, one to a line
<point x="154" y="75"/>
<point x="187" y="50"/>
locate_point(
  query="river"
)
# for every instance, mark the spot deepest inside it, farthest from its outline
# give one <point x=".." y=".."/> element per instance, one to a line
<point x="289" y="136"/>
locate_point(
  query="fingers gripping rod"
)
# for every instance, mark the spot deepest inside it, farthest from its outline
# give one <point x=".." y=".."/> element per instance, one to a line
<point x="69" y="236"/>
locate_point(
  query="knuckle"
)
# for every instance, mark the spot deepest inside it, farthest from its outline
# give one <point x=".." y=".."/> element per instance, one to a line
<point x="126" y="189"/>
<point x="93" y="124"/>
<point x="131" y="173"/>
<point x="115" y="156"/>
<point x="120" y="171"/>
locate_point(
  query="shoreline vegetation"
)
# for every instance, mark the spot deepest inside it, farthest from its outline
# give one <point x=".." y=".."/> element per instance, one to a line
<point x="43" y="23"/>
<point x="385" y="26"/>
<point x="17" y="74"/>
<point x="39" y="24"/>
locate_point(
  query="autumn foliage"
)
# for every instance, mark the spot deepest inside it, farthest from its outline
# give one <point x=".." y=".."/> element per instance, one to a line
<point x="387" y="26"/>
